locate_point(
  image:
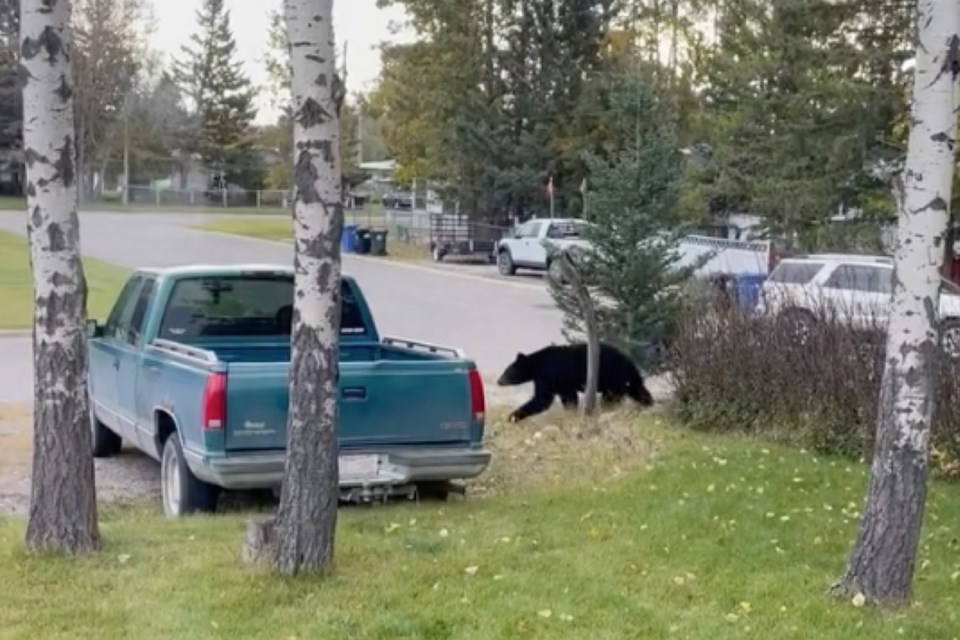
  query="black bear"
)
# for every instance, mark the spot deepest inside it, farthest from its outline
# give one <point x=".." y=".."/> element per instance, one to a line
<point x="561" y="370"/>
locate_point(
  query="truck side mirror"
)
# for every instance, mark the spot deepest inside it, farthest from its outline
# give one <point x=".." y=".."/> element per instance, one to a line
<point x="94" y="330"/>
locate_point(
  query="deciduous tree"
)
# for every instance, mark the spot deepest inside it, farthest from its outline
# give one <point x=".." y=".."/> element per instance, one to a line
<point x="63" y="508"/>
<point x="880" y="568"/>
<point x="301" y="539"/>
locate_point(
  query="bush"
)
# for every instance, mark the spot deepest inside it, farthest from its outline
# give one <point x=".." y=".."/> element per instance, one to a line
<point x="818" y="387"/>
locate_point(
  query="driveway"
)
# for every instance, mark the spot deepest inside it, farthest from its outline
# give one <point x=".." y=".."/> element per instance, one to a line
<point x="490" y="317"/>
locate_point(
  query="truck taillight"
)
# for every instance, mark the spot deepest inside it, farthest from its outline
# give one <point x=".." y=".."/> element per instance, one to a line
<point x="214" y="414"/>
<point x="478" y="405"/>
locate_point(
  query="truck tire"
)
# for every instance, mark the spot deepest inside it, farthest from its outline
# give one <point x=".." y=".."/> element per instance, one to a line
<point x="555" y="272"/>
<point x="105" y="442"/>
<point x="950" y="338"/>
<point x="182" y="492"/>
<point x="505" y="263"/>
<point x="438" y="254"/>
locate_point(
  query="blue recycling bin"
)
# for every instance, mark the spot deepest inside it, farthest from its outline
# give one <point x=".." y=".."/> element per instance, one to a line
<point x="348" y="239"/>
<point x="748" y="290"/>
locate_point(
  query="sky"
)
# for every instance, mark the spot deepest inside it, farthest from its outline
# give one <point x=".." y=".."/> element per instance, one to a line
<point x="357" y="22"/>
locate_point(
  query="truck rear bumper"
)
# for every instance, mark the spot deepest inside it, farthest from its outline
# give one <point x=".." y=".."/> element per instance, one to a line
<point x="384" y="467"/>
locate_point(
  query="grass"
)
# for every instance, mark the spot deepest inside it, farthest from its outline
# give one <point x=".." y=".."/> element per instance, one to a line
<point x="282" y="231"/>
<point x="16" y="288"/>
<point x="650" y="532"/>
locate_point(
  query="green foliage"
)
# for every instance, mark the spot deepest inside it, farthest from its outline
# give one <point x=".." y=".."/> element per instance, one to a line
<point x="279" y="137"/>
<point x="631" y="267"/>
<point x="482" y="102"/>
<point x="801" y="99"/>
<point x="221" y="96"/>
<point x="11" y="108"/>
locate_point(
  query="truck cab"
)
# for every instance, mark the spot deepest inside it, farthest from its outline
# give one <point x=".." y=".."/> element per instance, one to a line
<point x="192" y="368"/>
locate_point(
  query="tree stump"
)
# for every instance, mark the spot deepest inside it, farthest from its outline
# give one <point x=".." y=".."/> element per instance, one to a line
<point x="258" y="545"/>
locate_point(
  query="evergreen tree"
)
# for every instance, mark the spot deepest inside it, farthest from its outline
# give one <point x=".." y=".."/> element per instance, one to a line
<point x="632" y="266"/>
<point x="221" y="96"/>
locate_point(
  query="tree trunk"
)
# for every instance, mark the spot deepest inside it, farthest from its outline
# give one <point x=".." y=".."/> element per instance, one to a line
<point x="590" y="326"/>
<point x="63" y="508"/>
<point x="303" y="534"/>
<point x="882" y="561"/>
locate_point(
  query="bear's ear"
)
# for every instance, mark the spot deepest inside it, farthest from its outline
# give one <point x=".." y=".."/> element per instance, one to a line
<point x="521" y="357"/>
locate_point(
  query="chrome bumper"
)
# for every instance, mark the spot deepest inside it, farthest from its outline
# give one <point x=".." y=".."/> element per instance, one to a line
<point x="395" y="467"/>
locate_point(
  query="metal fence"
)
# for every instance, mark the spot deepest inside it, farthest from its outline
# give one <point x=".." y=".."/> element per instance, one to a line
<point x="260" y="199"/>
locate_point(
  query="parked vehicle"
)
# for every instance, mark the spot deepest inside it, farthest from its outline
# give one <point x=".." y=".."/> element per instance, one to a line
<point x="192" y="365"/>
<point x="526" y="248"/>
<point x="857" y="289"/>
<point x="456" y="234"/>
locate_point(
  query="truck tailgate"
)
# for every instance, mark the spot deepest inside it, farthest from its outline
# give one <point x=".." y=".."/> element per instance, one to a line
<point x="381" y="403"/>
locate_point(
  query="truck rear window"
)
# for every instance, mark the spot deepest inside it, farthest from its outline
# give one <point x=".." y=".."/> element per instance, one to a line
<point x="242" y="306"/>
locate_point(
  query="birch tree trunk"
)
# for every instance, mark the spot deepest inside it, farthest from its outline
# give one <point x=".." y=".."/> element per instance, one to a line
<point x="881" y="565"/>
<point x="302" y="537"/>
<point x="63" y="509"/>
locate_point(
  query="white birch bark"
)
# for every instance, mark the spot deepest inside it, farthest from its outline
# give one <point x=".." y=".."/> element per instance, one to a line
<point x="63" y="512"/>
<point x="882" y="561"/>
<point x="302" y="537"/>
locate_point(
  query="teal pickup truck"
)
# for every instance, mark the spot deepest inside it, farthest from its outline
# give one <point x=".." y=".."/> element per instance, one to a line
<point x="191" y="367"/>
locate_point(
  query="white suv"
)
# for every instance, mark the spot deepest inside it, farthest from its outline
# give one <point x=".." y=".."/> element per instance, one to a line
<point x="857" y="288"/>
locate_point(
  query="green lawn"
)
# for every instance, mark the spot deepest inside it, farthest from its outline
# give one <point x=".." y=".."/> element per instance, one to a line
<point x="16" y="289"/>
<point x="282" y="230"/>
<point x="691" y="537"/>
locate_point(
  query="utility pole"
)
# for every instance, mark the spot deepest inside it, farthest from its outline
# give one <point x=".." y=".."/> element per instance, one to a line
<point x="126" y="150"/>
<point x="359" y="132"/>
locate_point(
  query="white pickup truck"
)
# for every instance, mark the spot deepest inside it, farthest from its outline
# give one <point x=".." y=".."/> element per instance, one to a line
<point x="526" y="249"/>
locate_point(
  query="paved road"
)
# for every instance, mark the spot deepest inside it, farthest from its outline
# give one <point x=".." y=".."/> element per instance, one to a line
<point x="490" y="317"/>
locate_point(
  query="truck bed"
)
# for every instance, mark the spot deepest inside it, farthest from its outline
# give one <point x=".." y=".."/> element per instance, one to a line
<point x="391" y="393"/>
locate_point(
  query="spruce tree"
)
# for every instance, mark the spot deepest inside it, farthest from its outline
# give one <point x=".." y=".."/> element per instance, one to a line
<point x="221" y="96"/>
<point x="632" y="266"/>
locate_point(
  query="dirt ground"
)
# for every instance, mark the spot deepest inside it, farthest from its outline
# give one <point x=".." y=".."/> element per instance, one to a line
<point x="126" y="477"/>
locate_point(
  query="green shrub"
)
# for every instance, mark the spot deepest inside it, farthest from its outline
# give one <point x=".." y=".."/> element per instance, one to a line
<point x="739" y="372"/>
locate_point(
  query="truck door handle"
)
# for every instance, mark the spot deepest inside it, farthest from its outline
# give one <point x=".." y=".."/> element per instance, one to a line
<point x="116" y="363"/>
<point x="354" y="393"/>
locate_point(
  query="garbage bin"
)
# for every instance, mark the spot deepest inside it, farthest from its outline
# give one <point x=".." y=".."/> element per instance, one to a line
<point x="748" y="290"/>
<point x="378" y="242"/>
<point x="348" y="239"/>
<point x="362" y="240"/>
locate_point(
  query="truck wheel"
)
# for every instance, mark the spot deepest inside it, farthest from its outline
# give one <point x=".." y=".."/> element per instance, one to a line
<point x="950" y="338"/>
<point x="181" y="491"/>
<point x="105" y="442"/>
<point x="505" y="263"/>
<point x="438" y="254"/>
<point x="555" y="272"/>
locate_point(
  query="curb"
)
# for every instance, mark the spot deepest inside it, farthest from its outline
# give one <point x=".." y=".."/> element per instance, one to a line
<point x="15" y="333"/>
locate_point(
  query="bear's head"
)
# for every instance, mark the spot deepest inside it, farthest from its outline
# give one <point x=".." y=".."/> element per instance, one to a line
<point x="519" y="372"/>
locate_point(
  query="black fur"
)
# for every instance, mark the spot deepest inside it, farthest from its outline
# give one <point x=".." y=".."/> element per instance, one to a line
<point x="561" y="370"/>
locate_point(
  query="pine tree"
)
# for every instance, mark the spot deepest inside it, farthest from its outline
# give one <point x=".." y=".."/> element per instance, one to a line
<point x="632" y="265"/>
<point x="221" y="96"/>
